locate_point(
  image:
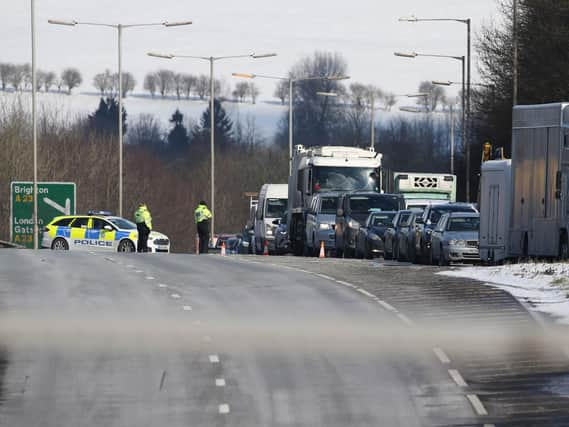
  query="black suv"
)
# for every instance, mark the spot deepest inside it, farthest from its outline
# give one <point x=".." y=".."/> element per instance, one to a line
<point x="353" y="210"/>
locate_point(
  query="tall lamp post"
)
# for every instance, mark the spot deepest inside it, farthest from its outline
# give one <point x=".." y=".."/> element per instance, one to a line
<point x="119" y="28"/>
<point x="211" y="60"/>
<point x="463" y="106"/>
<point x="291" y="81"/>
<point x="34" y="126"/>
<point x="467" y="22"/>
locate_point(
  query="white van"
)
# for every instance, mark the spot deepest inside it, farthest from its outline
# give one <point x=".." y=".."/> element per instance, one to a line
<point x="273" y="199"/>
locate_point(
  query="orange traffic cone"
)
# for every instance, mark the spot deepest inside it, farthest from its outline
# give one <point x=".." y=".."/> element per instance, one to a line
<point x="322" y="250"/>
<point x="266" y="248"/>
<point x="223" y="251"/>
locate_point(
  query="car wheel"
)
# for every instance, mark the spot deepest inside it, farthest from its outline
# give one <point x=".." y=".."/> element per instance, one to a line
<point x="442" y="260"/>
<point x="564" y="248"/>
<point x="434" y="261"/>
<point x="126" y="246"/>
<point x="59" y="244"/>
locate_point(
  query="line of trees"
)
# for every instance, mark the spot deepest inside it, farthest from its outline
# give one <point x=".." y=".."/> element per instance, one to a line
<point x="18" y="77"/>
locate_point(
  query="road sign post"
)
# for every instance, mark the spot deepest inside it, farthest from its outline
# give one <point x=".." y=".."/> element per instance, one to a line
<point x="54" y="199"/>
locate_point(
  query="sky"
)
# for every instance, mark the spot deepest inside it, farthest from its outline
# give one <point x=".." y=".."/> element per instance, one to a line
<point x="365" y="32"/>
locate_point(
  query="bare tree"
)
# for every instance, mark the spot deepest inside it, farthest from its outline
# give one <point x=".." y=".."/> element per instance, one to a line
<point x="150" y="84"/>
<point x="241" y="91"/>
<point x="253" y="92"/>
<point x="436" y="96"/>
<point x="17" y="77"/>
<point x="40" y="78"/>
<point x="71" y="78"/>
<point x="103" y="82"/>
<point x="27" y="73"/>
<point x="389" y="100"/>
<point x="128" y="83"/>
<point x="6" y="71"/>
<point x="281" y="91"/>
<point x="189" y="82"/>
<point x="164" y="81"/>
<point x="49" y="80"/>
<point x="178" y="83"/>
<point x="202" y="86"/>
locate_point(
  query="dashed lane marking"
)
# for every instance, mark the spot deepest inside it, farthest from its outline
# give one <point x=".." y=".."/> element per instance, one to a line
<point x="149" y="278"/>
<point x="138" y="271"/>
<point x="213" y="358"/>
<point x="457" y="378"/>
<point x="162" y="285"/>
<point x="220" y="382"/>
<point x="477" y="404"/>
<point x="187" y="308"/>
<point x="175" y="296"/>
<point x="224" y="408"/>
<point x="441" y="355"/>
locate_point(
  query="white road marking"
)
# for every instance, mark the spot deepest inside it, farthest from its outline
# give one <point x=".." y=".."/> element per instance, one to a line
<point x="387" y="306"/>
<point x="224" y="408"/>
<point x="366" y="293"/>
<point x="175" y="296"/>
<point x="187" y="308"/>
<point x="138" y="271"/>
<point x="477" y="404"/>
<point x="213" y="358"/>
<point x="149" y="278"/>
<point x="325" y="277"/>
<point x="457" y="378"/>
<point x="130" y="266"/>
<point x="349" y="285"/>
<point x="162" y="285"/>
<point x="220" y="382"/>
<point x="441" y="355"/>
<point x="405" y="319"/>
<point x="489" y="425"/>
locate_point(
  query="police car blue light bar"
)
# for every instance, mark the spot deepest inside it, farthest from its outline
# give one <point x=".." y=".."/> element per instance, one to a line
<point x="101" y="213"/>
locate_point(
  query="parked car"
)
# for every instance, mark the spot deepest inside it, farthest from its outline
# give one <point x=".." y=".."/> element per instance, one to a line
<point x="406" y="238"/>
<point x="426" y="224"/>
<point x="390" y="235"/>
<point x="456" y="238"/>
<point x="353" y="210"/>
<point x="321" y="221"/>
<point x="369" y="240"/>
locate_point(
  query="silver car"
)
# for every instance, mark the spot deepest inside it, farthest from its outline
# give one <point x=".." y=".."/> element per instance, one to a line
<point x="320" y="222"/>
<point x="456" y="238"/>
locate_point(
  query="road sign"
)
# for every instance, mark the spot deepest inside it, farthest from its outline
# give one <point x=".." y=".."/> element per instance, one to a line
<point x="54" y="199"/>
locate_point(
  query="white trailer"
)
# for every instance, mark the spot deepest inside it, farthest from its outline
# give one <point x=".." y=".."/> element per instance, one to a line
<point x="422" y="189"/>
<point x="540" y="181"/>
<point x="495" y="203"/>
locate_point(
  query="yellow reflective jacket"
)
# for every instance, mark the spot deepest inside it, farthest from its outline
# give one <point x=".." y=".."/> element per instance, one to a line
<point x="202" y="213"/>
<point x="142" y="214"/>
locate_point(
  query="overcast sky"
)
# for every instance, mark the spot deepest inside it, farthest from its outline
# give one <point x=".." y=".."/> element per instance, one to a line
<point x="366" y="32"/>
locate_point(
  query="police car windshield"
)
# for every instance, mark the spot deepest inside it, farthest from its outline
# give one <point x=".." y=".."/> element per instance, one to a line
<point x="123" y="224"/>
<point x="327" y="178"/>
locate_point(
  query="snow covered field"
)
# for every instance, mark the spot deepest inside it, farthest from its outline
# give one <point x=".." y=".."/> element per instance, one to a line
<point x="543" y="286"/>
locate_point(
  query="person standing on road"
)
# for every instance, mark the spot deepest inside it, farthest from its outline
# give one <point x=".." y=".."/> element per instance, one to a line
<point x="202" y="216"/>
<point x="143" y="225"/>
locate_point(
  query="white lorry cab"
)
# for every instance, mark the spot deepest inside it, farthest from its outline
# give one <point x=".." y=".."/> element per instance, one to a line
<point x="422" y="189"/>
<point x="271" y="206"/>
<point x="539" y="209"/>
<point x="495" y="202"/>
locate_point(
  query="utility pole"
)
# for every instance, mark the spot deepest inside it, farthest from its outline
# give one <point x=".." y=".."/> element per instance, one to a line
<point x="515" y="53"/>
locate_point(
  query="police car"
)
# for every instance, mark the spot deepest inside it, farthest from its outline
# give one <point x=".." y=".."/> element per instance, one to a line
<point x="98" y="230"/>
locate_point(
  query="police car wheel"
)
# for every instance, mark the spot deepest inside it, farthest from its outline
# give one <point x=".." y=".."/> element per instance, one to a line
<point x="126" y="246"/>
<point x="60" y="245"/>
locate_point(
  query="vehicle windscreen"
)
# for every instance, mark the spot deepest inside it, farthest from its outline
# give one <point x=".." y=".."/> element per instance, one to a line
<point x="463" y="224"/>
<point x="276" y="208"/>
<point x="437" y="212"/>
<point x="329" y="205"/>
<point x="123" y="224"/>
<point x="329" y="178"/>
<point x="365" y="204"/>
<point x="403" y="218"/>
<point x="379" y="220"/>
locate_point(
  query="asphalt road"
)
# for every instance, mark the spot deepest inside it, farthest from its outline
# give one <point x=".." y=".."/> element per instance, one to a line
<point x="181" y="340"/>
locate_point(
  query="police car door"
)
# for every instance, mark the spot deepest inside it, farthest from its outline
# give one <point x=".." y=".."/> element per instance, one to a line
<point x="77" y="238"/>
<point x="102" y="234"/>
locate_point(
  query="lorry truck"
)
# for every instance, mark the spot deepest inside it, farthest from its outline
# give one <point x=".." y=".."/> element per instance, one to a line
<point x="326" y="169"/>
<point x="422" y="189"/>
<point x="539" y="210"/>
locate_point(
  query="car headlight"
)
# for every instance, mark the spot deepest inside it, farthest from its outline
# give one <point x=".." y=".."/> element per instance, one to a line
<point x="324" y="226"/>
<point x="459" y="243"/>
<point x="353" y="224"/>
<point x="429" y="231"/>
<point x="269" y="232"/>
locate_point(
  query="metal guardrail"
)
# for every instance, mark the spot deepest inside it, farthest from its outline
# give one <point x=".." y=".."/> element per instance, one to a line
<point x="4" y="244"/>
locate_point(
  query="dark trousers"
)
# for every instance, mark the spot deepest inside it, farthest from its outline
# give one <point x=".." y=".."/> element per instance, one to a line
<point x="203" y="233"/>
<point x="143" y="233"/>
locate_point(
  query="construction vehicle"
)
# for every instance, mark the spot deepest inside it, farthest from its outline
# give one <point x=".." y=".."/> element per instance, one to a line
<point x="326" y="169"/>
<point x="422" y="189"/>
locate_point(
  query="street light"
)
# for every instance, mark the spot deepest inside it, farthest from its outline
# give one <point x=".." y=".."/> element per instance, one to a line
<point x="291" y="81"/>
<point x="34" y="125"/>
<point x="463" y="130"/>
<point x="466" y="111"/>
<point x="119" y="28"/>
<point x="211" y="60"/>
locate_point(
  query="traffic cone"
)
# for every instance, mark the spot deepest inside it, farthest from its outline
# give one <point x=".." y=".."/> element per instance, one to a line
<point x="266" y="248"/>
<point x="322" y="250"/>
<point x="223" y="251"/>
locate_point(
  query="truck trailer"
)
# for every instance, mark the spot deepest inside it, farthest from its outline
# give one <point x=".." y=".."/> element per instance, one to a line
<point x="540" y="181"/>
<point x="422" y="189"/>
